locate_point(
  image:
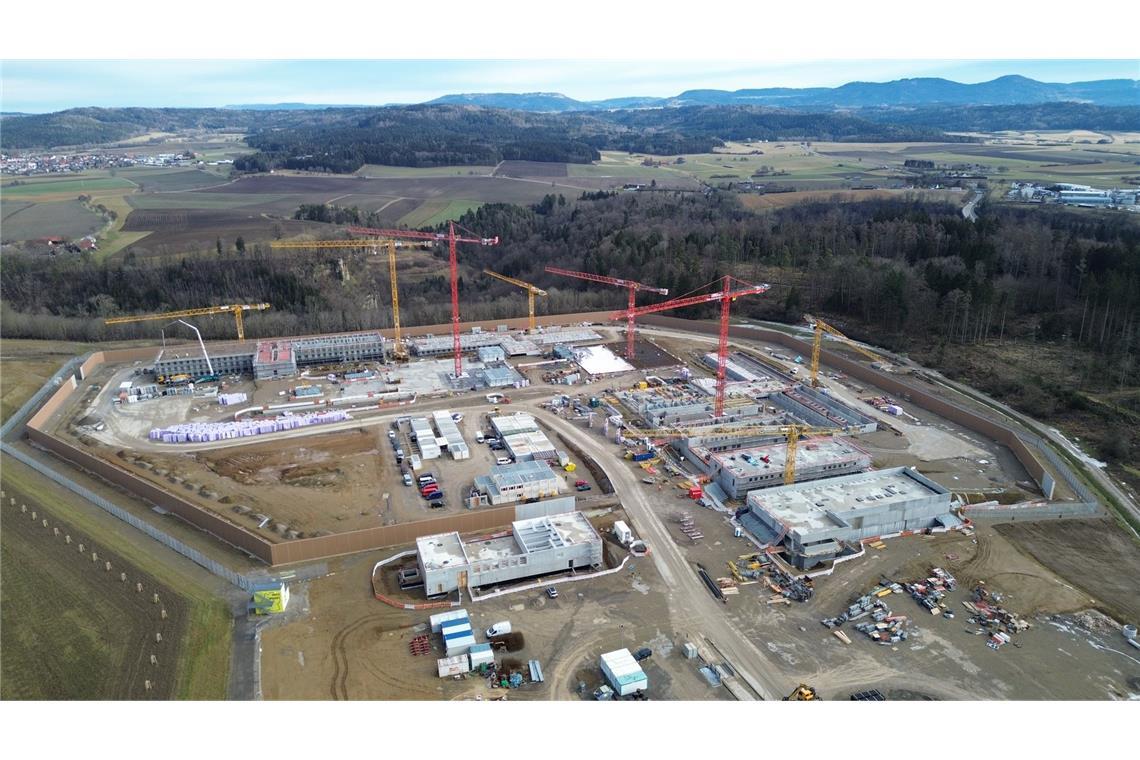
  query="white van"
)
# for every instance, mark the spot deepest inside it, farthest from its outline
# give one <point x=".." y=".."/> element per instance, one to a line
<point x="479" y="437"/>
<point x="499" y="629"/>
<point x="503" y="460"/>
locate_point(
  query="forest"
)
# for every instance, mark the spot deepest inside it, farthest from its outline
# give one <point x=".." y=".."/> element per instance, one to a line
<point x="903" y="273"/>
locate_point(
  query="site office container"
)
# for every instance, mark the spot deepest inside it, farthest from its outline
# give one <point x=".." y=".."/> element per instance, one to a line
<point x="440" y="618"/>
<point x="481" y="654"/>
<point x="623" y="673"/>
<point x="453" y="666"/>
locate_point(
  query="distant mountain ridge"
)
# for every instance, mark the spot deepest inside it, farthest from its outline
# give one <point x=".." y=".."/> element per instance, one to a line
<point x="923" y="91"/>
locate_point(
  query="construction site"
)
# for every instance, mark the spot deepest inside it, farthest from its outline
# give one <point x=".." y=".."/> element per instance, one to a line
<point x="677" y="527"/>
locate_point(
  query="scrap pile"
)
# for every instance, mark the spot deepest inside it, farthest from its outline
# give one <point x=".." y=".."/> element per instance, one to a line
<point x="930" y="592"/>
<point x="884" y="626"/>
<point x="419" y="645"/>
<point x="996" y="621"/>
<point x="796" y="589"/>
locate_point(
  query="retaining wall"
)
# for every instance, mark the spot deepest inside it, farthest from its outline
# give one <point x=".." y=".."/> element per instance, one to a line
<point x="925" y="399"/>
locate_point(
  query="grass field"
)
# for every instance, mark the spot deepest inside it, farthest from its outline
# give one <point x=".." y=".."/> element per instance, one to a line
<point x="70" y="633"/>
<point x="166" y="180"/>
<point x="36" y="189"/>
<point x="433" y="212"/>
<point x="27" y="221"/>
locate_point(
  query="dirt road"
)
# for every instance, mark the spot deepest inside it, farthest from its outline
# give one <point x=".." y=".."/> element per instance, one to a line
<point x="691" y="605"/>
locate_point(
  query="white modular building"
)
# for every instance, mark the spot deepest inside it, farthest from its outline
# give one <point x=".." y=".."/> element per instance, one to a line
<point x="424" y="437"/>
<point x="521" y="481"/>
<point x="623" y="673"/>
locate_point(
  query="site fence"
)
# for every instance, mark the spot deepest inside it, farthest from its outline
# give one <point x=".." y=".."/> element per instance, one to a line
<point x="192" y="554"/>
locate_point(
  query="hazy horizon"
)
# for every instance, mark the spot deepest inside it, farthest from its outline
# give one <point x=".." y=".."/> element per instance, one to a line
<point x="47" y="86"/>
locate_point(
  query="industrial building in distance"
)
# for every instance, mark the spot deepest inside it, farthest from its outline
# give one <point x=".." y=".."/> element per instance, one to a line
<point x="815" y="520"/>
<point x="533" y="547"/>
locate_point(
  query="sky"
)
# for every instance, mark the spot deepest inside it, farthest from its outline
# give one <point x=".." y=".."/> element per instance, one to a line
<point x="33" y="86"/>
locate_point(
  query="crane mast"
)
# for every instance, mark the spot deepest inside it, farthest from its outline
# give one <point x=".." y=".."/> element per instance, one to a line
<point x="726" y="296"/>
<point x="531" y="292"/>
<point x="633" y="288"/>
<point x="452" y="239"/>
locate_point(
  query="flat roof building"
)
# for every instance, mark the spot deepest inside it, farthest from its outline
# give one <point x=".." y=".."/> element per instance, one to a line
<point x="742" y="470"/>
<point x="520" y="434"/>
<point x="814" y="520"/>
<point x="521" y="481"/>
<point x="533" y="547"/>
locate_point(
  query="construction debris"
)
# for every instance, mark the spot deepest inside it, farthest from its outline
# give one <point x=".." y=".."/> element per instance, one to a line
<point x="996" y="621"/>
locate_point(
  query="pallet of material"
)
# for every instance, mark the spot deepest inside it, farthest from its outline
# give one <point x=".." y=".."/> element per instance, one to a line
<point x="841" y="636"/>
<point x="730" y="591"/>
<point x="779" y="600"/>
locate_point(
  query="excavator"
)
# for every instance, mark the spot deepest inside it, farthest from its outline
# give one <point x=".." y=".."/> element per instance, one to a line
<point x="803" y="693"/>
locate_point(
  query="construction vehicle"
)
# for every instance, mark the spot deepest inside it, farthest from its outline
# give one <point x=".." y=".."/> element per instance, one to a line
<point x="793" y="433"/>
<point x="822" y="327"/>
<point x="531" y="292"/>
<point x="803" y="693"/>
<point x="633" y="288"/>
<point x="238" y="310"/>
<point x="453" y="260"/>
<point x="726" y="296"/>
<point x="180" y="379"/>
<point x="399" y="351"/>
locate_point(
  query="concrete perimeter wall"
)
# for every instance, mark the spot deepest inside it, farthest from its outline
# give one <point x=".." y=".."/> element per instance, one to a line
<point x="287" y="552"/>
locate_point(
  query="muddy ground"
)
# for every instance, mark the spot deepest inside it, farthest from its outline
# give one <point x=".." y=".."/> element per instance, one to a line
<point x="344" y="644"/>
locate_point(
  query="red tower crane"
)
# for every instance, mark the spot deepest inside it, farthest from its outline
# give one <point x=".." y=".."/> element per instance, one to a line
<point x="440" y="237"/>
<point x="725" y="296"/>
<point x="633" y="288"/>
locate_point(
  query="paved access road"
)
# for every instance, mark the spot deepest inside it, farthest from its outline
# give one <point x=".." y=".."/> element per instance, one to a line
<point x="690" y="603"/>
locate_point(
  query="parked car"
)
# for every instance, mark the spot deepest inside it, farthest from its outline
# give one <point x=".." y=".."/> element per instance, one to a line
<point x="552" y="592"/>
<point x="503" y="460"/>
<point x="407" y="478"/>
<point x="426" y="478"/>
<point x="582" y="486"/>
<point x="391" y="435"/>
<point x="479" y="437"/>
<point x="642" y="653"/>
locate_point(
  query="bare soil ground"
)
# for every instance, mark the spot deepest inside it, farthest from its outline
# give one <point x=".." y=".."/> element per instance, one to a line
<point x="1056" y="659"/>
<point x="1096" y="556"/>
<point x="647" y="354"/>
<point x="347" y="645"/>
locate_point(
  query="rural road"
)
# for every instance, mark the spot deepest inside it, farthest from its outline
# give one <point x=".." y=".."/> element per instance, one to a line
<point x="692" y="606"/>
<point x="968" y="209"/>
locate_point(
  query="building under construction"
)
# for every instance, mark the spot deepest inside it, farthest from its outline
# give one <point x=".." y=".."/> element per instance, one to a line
<point x="739" y="471"/>
<point x="268" y="359"/>
<point x="532" y="547"/>
<point x="817" y="521"/>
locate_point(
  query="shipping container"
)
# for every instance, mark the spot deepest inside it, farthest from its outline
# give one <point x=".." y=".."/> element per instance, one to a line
<point x="481" y="654"/>
<point x="643" y="456"/>
<point x="442" y="617"/>
<point x="452" y="666"/>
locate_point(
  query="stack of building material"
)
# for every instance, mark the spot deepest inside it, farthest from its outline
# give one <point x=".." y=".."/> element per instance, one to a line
<point x="226" y="399"/>
<point x="205" y="432"/>
<point x="623" y="673"/>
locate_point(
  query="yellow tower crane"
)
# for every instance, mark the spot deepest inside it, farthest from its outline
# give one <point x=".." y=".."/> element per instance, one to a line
<point x="238" y="310"/>
<point x="822" y="327"/>
<point x="399" y="352"/>
<point x="793" y="433"/>
<point x="531" y="292"/>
